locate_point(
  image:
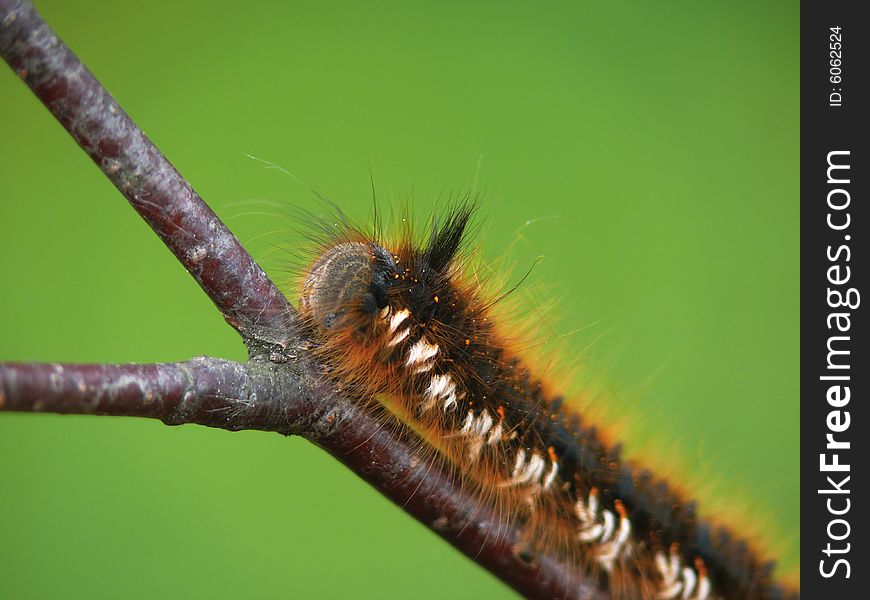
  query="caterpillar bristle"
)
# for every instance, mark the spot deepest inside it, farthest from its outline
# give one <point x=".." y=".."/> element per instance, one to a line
<point x="408" y="321"/>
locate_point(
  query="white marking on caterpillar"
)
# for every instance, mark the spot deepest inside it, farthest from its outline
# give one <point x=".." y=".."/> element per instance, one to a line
<point x="469" y="421"/>
<point x="587" y="514"/>
<point x="421" y="352"/>
<point x="526" y="472"/>
<point x="551" y="476"/>
<point x="608" y="525"/>
<point x="670" y="572"/>
<point x="676" y="579"/>
<point x="484" y="424"/>
<point x="521" y="458"/>
<point x="599" y="526"/>
<point x="689" y="580"/>
<point x="703" y="588"/>
<point x="481" y="427"/>
<point x="398" y="318"/>
<point x="610" y="551"/>
<point x="536" y="467"/>
<point x="495" y="434"/>
<point x="399" y="337"/>
<point x="441" y="387"/>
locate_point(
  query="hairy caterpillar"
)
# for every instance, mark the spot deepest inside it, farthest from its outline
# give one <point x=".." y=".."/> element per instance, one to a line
<point x="403" y="320"/>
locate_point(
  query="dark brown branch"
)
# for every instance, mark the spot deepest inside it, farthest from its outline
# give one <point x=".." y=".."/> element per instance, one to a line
<point x="207" y="391"/>
<point x="278" y="390"/>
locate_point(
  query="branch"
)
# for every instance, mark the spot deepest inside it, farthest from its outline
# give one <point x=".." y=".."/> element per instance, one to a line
<point x="207" y="391"/>
<point x="279" y="389"/>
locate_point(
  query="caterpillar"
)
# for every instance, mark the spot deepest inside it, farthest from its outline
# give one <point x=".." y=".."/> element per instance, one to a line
<point x="405" y="320"/>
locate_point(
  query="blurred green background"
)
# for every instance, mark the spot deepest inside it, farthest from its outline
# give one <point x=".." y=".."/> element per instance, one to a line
<point x="652" y="146"/>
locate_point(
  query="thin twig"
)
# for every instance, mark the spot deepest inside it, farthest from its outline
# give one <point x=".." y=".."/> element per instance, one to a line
<point x="279" y="389"/>
<point x="206" y="391"/>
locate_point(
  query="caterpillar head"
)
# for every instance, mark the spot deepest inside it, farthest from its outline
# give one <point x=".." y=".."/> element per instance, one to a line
<point x="349" y="277"/>
<point x="354" y="279"/>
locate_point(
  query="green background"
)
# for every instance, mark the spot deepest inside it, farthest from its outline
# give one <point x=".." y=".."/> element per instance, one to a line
<point x="652" y="146"/>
